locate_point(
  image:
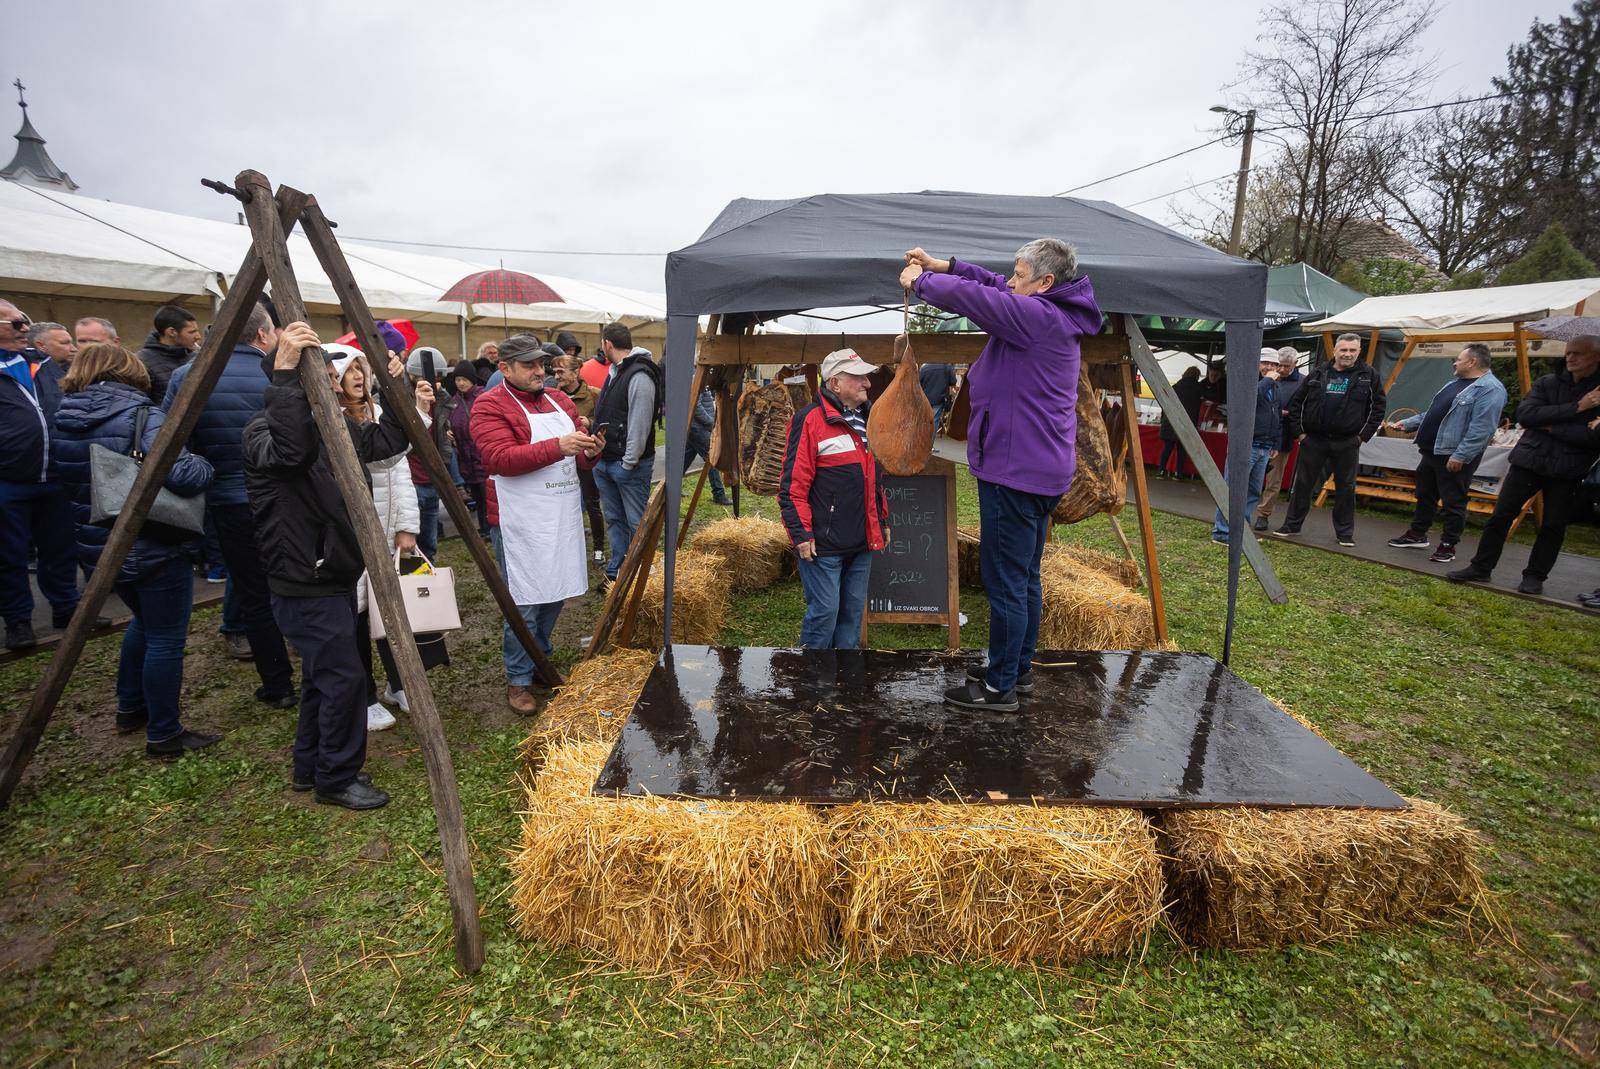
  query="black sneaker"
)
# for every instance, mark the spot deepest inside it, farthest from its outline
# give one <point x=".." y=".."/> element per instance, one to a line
<point x="1469" y="574"/>
<point x="1347" y="541"/>
<point x="1220" y="540"/>
<point x="302" y="786"/>
<point x="1530" y="585"/>
<point x="278" y="701"/>
<point x="725" y="501"/>
<point x="181" y="743"/>
<point x="1409" y="540"/>
<point x="1287" y="532"/>
<point x="129" y="722"/>
<point x="355" y="795"/>
<point x="1443" y="555"/>
<point x="19" y="636"/>
<point x="972" y="695"/>
<point x="1262" y="523"/>
<point x="1024" y="681"/>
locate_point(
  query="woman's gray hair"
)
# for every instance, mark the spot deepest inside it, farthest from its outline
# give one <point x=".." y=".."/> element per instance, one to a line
<point x="1050" y="256"/>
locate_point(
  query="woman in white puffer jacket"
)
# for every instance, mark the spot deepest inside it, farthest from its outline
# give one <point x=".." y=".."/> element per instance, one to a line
<point x="395" y="498"/>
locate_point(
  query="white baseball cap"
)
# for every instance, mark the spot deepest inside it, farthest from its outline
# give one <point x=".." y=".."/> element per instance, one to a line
<point x="845" y="361"/>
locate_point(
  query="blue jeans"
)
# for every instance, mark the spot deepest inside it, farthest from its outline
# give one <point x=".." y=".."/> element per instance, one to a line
<point x="836" y="598"/>
<point x="1015" y="525"/>
<point x="699" y="445"/>
<point x="541" y="620"/>
<point x="1260" y="457"/>
<point x="232" y="611"/>
<point x="150" y="671"/>
<point x="428" y="510"/>
<point x="623" y="496"/>
<point x="37" y="515"/>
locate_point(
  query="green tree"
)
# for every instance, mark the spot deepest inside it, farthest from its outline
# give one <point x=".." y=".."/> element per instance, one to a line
<point x="1477" y="278"/>
<point x="925" y="318"/>
<point x="1383" y="276"/>
<point x="1550" y="258"/>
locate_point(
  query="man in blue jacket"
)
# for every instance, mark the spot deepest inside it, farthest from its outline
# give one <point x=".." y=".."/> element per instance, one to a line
<point x="34" y="511"/>
<point x="1451" y="436"/>
<point x="1264" y="442"/>
<point x="219" y="437"/>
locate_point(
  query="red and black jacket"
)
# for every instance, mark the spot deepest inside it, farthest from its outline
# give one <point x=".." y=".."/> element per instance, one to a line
<point x="830" y="490"/>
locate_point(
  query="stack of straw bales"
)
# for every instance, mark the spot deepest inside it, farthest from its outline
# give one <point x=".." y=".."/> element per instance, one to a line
<point x="755" y="552"/>
<point x="969" y="573"/>
<point x="1240" y="877"/>
<point x="592" y="704"/>
<point x="1008" y="883"/>
<point x="700" y="597"/>
<point x="662" y="885"/>
<point x="1087" y="609"/>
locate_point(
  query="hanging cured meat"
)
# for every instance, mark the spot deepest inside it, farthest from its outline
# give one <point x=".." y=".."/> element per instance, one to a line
<point x="764" y="415"/>
<point x="900" y="425"/>
<point x="1097" y="483"/>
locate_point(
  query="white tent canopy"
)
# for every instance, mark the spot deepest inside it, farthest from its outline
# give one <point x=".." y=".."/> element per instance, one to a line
<point x="67" y="245"/>
<point x="1467" y="312"/>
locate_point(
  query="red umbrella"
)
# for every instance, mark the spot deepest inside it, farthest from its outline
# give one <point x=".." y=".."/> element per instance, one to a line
<point x="501" y="287"/>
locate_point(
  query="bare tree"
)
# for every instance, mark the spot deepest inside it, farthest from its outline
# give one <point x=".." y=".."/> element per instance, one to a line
<point x="1321" y="71"/>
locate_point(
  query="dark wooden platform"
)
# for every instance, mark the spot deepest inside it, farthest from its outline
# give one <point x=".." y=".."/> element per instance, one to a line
<point x="1150" y="730"/>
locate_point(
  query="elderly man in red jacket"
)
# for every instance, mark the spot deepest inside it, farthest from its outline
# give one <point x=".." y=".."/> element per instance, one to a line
<point x="532" y="442"/>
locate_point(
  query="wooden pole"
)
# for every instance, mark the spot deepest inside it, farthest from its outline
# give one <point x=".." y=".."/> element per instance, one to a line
<point x="1141" y="500"/>
<point x="1525" y="377"/>
<point x="1394" y="372"/>
<point x="268" y="231"/>
<point x="398" y="398"/>
<point x="1199" y="455"/>
<point x="1122" y="536"/>
<point x="694" y="502"/>
<point x="652" y="518"/>
<point x="175" y="430"/>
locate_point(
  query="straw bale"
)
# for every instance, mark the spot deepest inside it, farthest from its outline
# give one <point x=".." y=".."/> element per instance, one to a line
<point x="1006" y="883"/>
<point x="1085" y="609"/>
<point x="592" y="704"/>
<point x="699" y="602"/>
<point x="969" y="572"/>
<point x="1241" y="878"/>
<point x="755" y="552"/>
<point x="1121" y="569"/>
<point x="715" y="888"/>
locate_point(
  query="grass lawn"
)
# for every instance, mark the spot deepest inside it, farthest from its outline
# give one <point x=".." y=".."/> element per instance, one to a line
<point x="201" y="912"/>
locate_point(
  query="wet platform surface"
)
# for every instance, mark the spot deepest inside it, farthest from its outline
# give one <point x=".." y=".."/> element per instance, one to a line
<point x="1151" y="730"/>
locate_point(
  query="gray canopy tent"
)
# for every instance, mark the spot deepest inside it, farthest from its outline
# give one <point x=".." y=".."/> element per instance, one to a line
<point x="765" y="258"/>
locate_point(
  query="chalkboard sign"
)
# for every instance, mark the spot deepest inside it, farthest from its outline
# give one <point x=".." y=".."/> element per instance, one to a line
<point x="914" y="579"/>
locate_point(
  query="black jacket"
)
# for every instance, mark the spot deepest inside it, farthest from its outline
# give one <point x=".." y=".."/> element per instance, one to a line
<point x="303" y="531"/>
<point x="161" y="361"/>
<point x="1188" y="391"/>
<point x="1556" y="440"/>
<point x="218" y="434"/>
<point x="1358" y="415"/>
<point x="611" y="407"/>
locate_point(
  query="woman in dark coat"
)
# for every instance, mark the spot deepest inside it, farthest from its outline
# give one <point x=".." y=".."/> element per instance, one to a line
<point x="468" y="388"/>
<point x="104" y="391"/>
<point x="1188" y="388"/>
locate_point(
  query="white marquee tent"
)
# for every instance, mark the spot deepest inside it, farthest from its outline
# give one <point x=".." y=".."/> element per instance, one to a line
<point x="61" y="244"/>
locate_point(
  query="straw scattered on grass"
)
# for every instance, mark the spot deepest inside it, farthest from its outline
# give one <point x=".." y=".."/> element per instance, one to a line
<point x="1006" y="883"/>
<point x="724" y="889"/>
<point x="755" y="552"/>
<point x="592" y="704"/>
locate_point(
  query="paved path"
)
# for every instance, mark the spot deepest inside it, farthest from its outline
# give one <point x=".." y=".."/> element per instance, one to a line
<point x="1572" y="575"/>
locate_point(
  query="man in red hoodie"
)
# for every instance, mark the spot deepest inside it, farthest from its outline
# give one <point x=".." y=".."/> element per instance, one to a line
<point x="531" y="442"/>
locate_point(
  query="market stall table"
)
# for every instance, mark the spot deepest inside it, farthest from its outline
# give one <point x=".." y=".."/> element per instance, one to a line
<point x="1216" y="445"/>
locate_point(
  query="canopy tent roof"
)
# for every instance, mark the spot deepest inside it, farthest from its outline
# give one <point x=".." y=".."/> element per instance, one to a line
<point x="839" y="250"/>
<point x="1466" y="312"/>
<point x="59" y="243"/>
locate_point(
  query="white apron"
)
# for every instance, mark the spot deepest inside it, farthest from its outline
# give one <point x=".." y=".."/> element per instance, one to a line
<point x="541" y="521"/>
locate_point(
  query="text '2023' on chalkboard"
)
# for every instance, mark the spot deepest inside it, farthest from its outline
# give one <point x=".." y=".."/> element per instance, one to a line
<point x="914" y="578"/>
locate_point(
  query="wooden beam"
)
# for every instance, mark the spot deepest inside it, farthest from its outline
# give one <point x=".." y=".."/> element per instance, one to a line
<point x="694" y="503"/>
<point x="620" y="586"/>
<point x="268" y="232"/>
<point x="1200" y="457"/>
<point x="875" y="348"/>
<point x="1141" y="501"/>
<point x="402" y="401"/>
<point x="175" y="430"/>
<point x="1394" y="372"/>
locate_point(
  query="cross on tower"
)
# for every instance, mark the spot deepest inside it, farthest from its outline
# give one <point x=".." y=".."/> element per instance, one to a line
<point x="21" y="100"/>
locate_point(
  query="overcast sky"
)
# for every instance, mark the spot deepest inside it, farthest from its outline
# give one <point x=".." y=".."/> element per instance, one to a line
<point x="627" y="126"/>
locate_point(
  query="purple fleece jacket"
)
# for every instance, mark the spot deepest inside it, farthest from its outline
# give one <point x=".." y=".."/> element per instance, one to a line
<point x="1023" y="428"/>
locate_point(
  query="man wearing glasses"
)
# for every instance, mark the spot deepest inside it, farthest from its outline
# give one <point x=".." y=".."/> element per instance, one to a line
<point x="34" y="511"/>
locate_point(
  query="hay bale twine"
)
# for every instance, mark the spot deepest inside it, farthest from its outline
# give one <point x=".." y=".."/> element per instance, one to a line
<point x="755" y="552"/>
<point x="1005" y="883"/>
<point x="699" y="602"/>
<point x="1243" y="878"/>
<point x="592" y="704"/>
<point x="1086" y="609"/>
<point x="725" y="889"/>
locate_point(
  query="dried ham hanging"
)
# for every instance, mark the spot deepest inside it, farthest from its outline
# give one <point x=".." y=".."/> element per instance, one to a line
<point x="900" y="425"/>
<point x="764" y="415"/>
<point x="1097" y="483"/>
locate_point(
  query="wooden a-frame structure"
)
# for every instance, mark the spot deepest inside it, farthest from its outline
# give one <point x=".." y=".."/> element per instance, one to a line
<point x="271" y="218"/>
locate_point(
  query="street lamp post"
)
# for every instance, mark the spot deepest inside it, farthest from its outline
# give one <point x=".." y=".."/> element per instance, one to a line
<point x="1244" y="175"/>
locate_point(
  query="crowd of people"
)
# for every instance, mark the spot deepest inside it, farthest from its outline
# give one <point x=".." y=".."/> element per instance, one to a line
<point x="536" y="436"/>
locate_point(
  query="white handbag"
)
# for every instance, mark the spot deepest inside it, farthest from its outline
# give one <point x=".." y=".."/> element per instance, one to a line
<point x="430" y="601"/>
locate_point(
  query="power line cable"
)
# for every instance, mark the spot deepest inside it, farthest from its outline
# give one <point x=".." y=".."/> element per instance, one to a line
<point x="501" y="248"/>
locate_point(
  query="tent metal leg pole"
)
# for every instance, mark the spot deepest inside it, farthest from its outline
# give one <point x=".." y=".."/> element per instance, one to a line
<point x="1199" y="455"/>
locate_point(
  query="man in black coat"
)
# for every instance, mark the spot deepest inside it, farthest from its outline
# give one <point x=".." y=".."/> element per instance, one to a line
<point x="1560" y="417"/>
<point x="313" y="562"/>
<point x="1339" y="406"/>
<point x="170" y="345"/>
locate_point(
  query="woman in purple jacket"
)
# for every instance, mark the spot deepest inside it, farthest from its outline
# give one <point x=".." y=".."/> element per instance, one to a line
<point x="1022" y="433"/>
